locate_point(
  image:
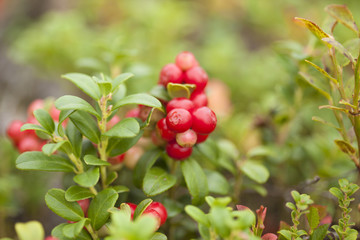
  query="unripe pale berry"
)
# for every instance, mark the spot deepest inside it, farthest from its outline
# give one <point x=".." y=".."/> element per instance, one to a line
<point x="187" y="138"/>
<point x="164" y="130"/>
<point x="170" y="73"/>
<point x="199" y="99"/>
<point x="132" y="156"/>
<point x="204" y="120"/>
<point x="13" y="131"/>
<point x="179" y="120"/>
<point x="197" y="76"/>
<point x="186" y="60"/>
<point x="133" y="113"/>
<point x="160" y="209"/>
<point x="201" y="138"/>
<point x="36" y="104"/>
<point x="29" y="143"/>
<point x="183" y="103"/>
<point x="178" y="152"/>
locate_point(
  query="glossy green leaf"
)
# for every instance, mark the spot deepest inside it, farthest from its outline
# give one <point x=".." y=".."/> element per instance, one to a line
<point x="160" y="92"/>
<point x="337" y="193"/>
<point x="141" y="207"/>
<point x="88" y="178"/>
<point x="111" y="177"/>
<point x="140" y="98"/>
<point x="76" y="193"/>
<point x="32" y="230"/>
<point x="29" y="126"/>
<point x="73" y="230"/>
<point x="85" y="83"/>
<point x="320" y="232"/>
<point x="146" y="161"/>
<point x="343" y="15"/>
<point x="313" y="27"/>
<point x="104" y="85"/>
<point x="313" y="217"/>
<point x="55" y="200"/>
<point x="217" y="183"/>
<point x="45" y="120"/>
<point x="75" y="138"/>
<point x="94" y="161"/>
<point x="69" y="102"/>
<point x="50" y="148"/>
<point x="120" y="189"/>
<point x="58" y="233"/>
<point x="86" y="125"/>
<point x="118" y="146"/>
<point x="195" y="179"/>
<point x="126" y="128"/>
<point x="158" y="236"/>
<point x="122" y="78"/>
<point x="255" y="171"/>
<point x="157" y="181"/>
<point x="97" y="211"/>
<point x="176" y="90"/>
<point x="40" y="161"/>
<point x="197" y="215"/>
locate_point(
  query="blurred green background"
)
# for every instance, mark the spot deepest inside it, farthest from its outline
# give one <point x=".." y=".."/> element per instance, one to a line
<point x="252" y="46"/>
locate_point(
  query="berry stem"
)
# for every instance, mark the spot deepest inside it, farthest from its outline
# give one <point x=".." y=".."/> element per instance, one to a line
<point x="93" y="234"/>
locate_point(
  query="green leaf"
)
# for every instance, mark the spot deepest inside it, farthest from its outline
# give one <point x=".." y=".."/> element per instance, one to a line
<point x="45" y="120"/>
<point x="320" y="120"/>
<point x="120" y="189"/>
<point x="32" y="230"/>
<point x="195" y="179"/>
<point x="158" y="236"/>
<point x="88" y="178"/>
<point x="122" y="78"/>
<point x="320" y="232"/>
<point x="97" y="211"/>
<point x="217" y="183"/>
<point x="286" y="234"/>
<point x="313" y="27"/>
<point x="75" y="138"/>
<point x="204" y="232"/>
<point x="338" y="46"/>
<point x="86" y="125"/>
<point x="50" y="148"/>
<point x="120" y="145"/>
<point x="337" y="193"/>
<point x="69" y="102"/>
<point x="157" y="181"/>
<point x="176" y="90"/>
<point x="85" y="83"/>
<point x="140" y="98"/>
<point x="322" y="71"/>
<point x="111" y="177"/>
<point x="55" y="200"/>
<point x="40" y="161"/>
<point x="94" y="161"/>
<point x="141" y="207"/>
<point x="58" y="233"/>
<point x="73" y="230"/>
<point x="345" y="147"/>
<point x="29" y="126"/>
<point x="126" y="128"/>
<point x="255" y="171"/>
<point x="197" y="215"/>
<point x="310" y="81"/>
<point x="146" y="161"/>
<point x="313" y="217"/>
<point x="76" y="193"/>
<point x="343" y="15"/>
<point x="160" y="92"/>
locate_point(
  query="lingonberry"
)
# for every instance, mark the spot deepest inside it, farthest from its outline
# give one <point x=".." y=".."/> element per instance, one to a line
<point x="13" y="131"/>
<point x="178" y="152"/>
<point x="54" y="113"/>
<point x="170" y="73"/>
<point x="133" y="113"/>
<point x="36" y="104"/>
<point x="179" y="120"/>
<point x="199" y="99"/>
<point x="183" y="103"/>
<point x="156" y="139"/>
<point x="187" y="138"/>
<point x="51" y="238"/>
<point x="112" y="122"/>
<point x="132" y="209"/>
<point x="201" y="138"/>
<point x="132" y="156"/>
<point x="117" y="159"/>
<point x="154" y="214"/>
<point x="186" y="60"/>
<point x="204" y="120"/>
<point x="84" y="204"/>
<point x="29" y="143"/>
<point x="197" y="76"/>
<point x="164" y="131"/>
<point x="160" y="209"/>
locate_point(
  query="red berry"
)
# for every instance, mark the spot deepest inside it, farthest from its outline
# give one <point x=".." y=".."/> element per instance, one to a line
<point x="54" y="113"/>
<point x="31" y="120"/>
<point x="187" y="138"/>
<point x="29" y="143"/>
<point x="179" y="120"/>
<point x="112" y="122"/>
<point x="201" y="138"/>
<point x="157" y="139"/>
<point x="13" y="131"/>
<point x="164" y="131"/>
<point x="51" y="238"/>
<point x="178" y="152"/>
<point x="36" y="104"/>
<point x="132" y="209"/>
<point x="84" y="204"/>
<point x="186" y="60"/>
<point x="133" y="113"/>
<point x="183" y="103"/>
<point x="170" y="73"/>
<point x="199" y="99"/>
<point x="204" y="120"/>
<point x="197" y="76"/>
<point x="154" y="214"/>
<point x="117" y="160"/>
<point x="160" y="209"/>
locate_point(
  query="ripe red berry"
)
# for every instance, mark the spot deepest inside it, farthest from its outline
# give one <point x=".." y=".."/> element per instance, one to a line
<point x="179" y="120"/>
<point x="13" y="131"/>
<point x="183" y="103"/>
<point x="204" y="120"/>
<point x="199" y="99"/>
<point x="54" y="113"/>
<point x="112" y="122"/>
<point x="197" y="76"/>
<point x="51" y="238"/>
<point x="186" y="60"/>
<point x="201" y="138"/>
<point x="29" y="143"/>
<point x="164" y="131"/>
<point x="133" y="113"/>
<point x="154" y="214"/>
<point x="36" y="104"/>
<point x="84" y="204"/>
<point x="178" y="152"/>
<point x="117" y="159"/>
<point x="187" y="138"/>
<point x="132" y="209"/>
<point x="160" y="209"/>
<point x="170" y="73"/>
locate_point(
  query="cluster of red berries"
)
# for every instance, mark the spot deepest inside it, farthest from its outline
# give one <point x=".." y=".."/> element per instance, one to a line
<point x="188" y="121"/>
<point x="155" y="209"/>
<point x="28" y="140"/>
